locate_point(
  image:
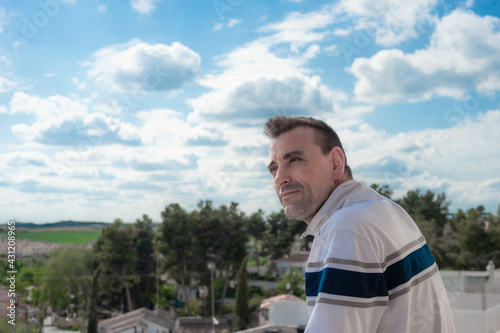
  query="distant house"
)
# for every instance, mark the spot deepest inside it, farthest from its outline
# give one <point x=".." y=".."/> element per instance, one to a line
<point x="283" y="265"/>
<point x="138" y="321"/>
<point x="284" y="309"/>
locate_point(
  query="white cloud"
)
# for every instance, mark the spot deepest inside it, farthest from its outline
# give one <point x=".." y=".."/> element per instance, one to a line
<point x="6" y="84"/>
<point x="59" y="120"/>
<point x="447" y="160"/>
<point x="206" y="136"/>
<point x="462" y="55"/>
<point x="300" y="29"/>
<point x="89" y="130"/>
<point x="267" y="96"/>
<point x="232" y="22"/>
<point x="141" y="67"/>
<point x="332" y="50"/>
<point x="218" y="26"/>
<point x="80" y="85"/>
<point x="25" y="158"/>
<point x="3" y="109"/>
<point x="143" y="6"/>
<point x="46" y="108"/>
<point x="391" y="21"/>
<point x="257" y="80"/>
<point x="342" y="32"/>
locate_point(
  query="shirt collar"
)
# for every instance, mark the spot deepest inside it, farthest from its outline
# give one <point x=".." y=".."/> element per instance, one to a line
<point x="337" y="200"/>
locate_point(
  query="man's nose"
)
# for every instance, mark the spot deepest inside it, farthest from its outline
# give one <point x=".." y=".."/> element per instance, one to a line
<point x="282" y="177"/>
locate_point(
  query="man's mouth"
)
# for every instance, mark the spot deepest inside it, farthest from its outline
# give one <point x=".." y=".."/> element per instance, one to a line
<point x="287" y="194"/>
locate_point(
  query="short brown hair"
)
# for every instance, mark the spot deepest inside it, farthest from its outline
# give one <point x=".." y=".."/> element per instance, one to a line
<point x="325" y="137"/>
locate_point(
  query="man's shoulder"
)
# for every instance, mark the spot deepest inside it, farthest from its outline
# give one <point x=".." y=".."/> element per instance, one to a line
<point x="377" y="220"/>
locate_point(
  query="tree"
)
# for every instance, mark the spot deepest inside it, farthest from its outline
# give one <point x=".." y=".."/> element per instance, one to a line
<point x="93" y="319"/>
<point x="428" y="206"/>
<point x="116" y="255"/>
<point x="256" y="227"/>
<point x="477" y="234"/>
<point x="293" y="282"/>
<point x="241" y="307"/>
<point x="177" y="246"/>
<point x="68" y="273"/>
<point x="143" y="236"/>
<point x="384" y="190"/>
<point x="280" y="234"/>
<point x="221" y="237"/>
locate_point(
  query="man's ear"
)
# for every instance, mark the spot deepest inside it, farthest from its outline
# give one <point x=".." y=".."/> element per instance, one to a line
<point x="338" y="162"/>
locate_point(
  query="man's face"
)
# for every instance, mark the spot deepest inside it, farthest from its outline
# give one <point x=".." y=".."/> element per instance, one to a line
<point x="302" y="176"/>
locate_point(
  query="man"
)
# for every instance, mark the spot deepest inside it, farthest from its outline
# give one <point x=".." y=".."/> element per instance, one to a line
<point x="370" y="269"/>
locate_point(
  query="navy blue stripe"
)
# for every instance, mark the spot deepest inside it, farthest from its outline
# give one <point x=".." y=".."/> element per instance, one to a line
<point x="402" y="271"/>
<point x="366" y="285"/>
<point x="346" y="283"/>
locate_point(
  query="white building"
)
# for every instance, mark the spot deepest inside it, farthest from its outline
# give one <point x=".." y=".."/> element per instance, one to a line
<point x="138" y="321"/>
<point x="474" y="299"/>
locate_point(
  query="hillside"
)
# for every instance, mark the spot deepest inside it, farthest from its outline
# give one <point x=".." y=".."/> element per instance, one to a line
<point x="61" y="224"/>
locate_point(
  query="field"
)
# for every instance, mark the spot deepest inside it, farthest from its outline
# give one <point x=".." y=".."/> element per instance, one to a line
<point x="58" y="236"/>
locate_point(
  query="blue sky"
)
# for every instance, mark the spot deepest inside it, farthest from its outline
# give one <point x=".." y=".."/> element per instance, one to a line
<point x="114" y="109"/>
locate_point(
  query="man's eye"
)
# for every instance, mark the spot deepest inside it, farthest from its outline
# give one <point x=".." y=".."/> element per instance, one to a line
<point x="294" y="159"/>
<point x="273" y="169"/>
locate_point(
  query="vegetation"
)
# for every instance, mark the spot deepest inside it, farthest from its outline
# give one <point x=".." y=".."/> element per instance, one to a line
<point x="121" y="272"/>
<point x="241" y="307"/>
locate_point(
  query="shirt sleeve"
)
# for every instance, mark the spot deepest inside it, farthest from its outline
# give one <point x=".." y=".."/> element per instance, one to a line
<point x="345" y="287"/>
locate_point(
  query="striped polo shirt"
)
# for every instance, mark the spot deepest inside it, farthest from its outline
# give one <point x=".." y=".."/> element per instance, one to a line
<point x="370" y="269"/>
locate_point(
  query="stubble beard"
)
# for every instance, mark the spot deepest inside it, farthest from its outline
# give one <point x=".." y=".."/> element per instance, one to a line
<point x="306" y="208"/>
<point x="302" y="210"/>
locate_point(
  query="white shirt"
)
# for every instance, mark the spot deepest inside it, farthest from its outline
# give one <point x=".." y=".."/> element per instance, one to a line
<point x="370" y="269"/>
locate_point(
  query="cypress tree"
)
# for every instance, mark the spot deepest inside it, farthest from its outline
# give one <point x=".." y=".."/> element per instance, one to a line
<point x="241" y="308"/>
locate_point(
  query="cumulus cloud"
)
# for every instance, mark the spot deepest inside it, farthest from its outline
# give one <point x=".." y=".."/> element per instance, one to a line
<point x="462" y="55"/>
<point x="88" y="130"/>
<point x="143" y="6"/>
<point x="142" y="67"/>
<point x="141" y="186"/>
<point x="26" y="158"/>
<point x="300" y="29"/>
<point x="431" y="158"/>
<point x="265" y="97"/>
<point x="391" y="21"/>
<point x="203" y="136"/>
<point x="153" y="159"/>
<point x="46" y="108"/>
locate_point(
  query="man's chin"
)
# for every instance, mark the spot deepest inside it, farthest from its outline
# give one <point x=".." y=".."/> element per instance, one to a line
<point x="292" y="212"/>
